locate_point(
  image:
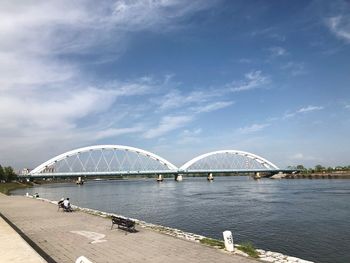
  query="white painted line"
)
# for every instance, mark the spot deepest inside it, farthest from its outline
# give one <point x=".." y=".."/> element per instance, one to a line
<point x="95" y="237"/>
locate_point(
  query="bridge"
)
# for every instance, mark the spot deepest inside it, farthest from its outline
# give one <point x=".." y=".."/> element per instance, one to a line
<point x="109" y="160"/>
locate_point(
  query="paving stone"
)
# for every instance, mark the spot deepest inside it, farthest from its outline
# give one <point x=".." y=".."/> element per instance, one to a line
<point x="51" y="230"/>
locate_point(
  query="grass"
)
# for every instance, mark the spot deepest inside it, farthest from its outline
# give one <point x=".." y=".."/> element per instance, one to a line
<point x="5" y="188"/>
<point x="213" y="242"/>
<point x="248" y="248"/>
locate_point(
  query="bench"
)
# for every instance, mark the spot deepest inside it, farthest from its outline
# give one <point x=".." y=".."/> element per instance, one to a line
<point x="60" y="206"/>
<point x="123" y="223"/>
<point x="64" y="209"/>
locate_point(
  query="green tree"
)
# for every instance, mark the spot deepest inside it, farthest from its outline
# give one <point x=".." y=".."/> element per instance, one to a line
<point x="9" y="174"/>
<point x="329" y="169"/>
<point x="2" y="174"/>
<point x="301" y="167"/>
<point x="319" y="168"/>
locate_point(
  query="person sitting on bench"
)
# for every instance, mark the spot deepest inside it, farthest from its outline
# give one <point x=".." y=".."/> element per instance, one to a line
<point x="66" y="205"/>
<point x="60" y="204"/>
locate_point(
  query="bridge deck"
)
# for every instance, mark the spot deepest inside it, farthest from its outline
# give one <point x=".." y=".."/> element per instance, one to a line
<point x="138" y="173"/>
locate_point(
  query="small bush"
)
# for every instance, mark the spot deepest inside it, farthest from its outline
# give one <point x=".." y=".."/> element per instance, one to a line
<point x="248" y="248"/>
<point x="213" y="242"/>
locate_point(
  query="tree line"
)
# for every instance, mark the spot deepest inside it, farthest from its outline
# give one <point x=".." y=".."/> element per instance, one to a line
<point x="7" y="174"/>
<point x="319" y="168"/>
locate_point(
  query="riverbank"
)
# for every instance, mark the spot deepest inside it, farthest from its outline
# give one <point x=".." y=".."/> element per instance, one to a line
<point x="343" y="175"/>
<point x="266" y="256"/>
<point x="6" y="188"/>
<point x="66" y="236"/>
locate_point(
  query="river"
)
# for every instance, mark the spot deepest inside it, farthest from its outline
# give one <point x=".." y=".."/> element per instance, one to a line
<point x="303" y="218"/>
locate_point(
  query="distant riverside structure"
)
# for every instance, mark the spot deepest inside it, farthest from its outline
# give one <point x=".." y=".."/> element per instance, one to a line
<point x="24" y="171"/>
<point x="108" y="160"/>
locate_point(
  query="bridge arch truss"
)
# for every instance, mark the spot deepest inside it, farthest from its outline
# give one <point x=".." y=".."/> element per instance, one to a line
<point x="228" y="160"/>
<point x="104" y="159"/>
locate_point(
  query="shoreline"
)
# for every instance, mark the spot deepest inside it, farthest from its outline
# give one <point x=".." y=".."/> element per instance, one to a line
<point x="319" y="176"/>
<point x="263" y="255"/>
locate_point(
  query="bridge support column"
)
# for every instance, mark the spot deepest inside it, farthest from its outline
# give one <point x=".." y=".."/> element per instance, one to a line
<point x="160" y="178"/>
<point x="257" y="175"/>
<point x="79" y="180"/>
<point x="178" y="177"/>
<point x="210" y="177"/>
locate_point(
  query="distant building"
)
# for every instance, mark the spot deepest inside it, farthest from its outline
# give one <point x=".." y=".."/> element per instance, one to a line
<point x="24" y="171"/>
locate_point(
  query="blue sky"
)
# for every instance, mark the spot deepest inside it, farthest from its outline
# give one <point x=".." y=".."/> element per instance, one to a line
<point x="178" y="78"/>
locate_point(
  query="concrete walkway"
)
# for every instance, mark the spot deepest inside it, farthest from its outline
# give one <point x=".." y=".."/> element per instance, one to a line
<point x="13" y="248"/>
<point x="63" y="237"/>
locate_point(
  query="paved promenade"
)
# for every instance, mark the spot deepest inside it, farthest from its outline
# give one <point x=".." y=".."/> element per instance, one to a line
<point x="13" y="248"/>
<point x="63" y="237"/>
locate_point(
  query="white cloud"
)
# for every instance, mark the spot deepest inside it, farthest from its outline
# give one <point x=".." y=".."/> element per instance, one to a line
<point x="197" y="101"/>
<point x="289" y="115"/>
<point x="194" y="132"/>
<point x="167" y="124"/>
<point x="295" y="68"/>
<point x="113" y="132"/>
<point x="309" y="108"/>
<point x="303" y="110"/>
<point x="175" y="99"/>
<point x="269" y="32"/>
<point x="141" y="15"/>
<point x="179" y="102"/>
<point x="190" y="136"/>
<point x="253" y="128"/>
<point x="52" y="109"/>
<point x="68" y="26"/>
<point x="47" y="101"/>
<point x="297" y="156"/>
<point x="253" y="80"/>
<point x="340" y="26"/>
<point x="213" y="106"/>
<point x="278" y="37"/>
<point x="245" y="60"/>
<point x="263" y="32"/>
<point x="302" y="157"/>
<point x="278" y="51"/>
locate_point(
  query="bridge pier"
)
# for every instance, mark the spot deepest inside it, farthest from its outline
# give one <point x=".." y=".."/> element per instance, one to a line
<point x="210" y="177"/>
<point x="160" y="178"/>
<point x="257" y="175"/>
<point x="178" y="177"/>
<point x="79" y="180"/>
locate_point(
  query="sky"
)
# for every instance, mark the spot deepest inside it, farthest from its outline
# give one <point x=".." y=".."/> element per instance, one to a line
<point x="177" y="78"/>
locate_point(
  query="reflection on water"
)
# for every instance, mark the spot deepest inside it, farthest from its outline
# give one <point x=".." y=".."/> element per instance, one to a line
<point x="303" y="218"/>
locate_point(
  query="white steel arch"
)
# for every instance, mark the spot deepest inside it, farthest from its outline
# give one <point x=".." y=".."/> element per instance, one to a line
<point x="68" y="154"/>
<point x="269" y="165"/>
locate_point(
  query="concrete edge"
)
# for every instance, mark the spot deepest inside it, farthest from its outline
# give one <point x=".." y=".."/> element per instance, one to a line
<point x="30" y="242"/>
